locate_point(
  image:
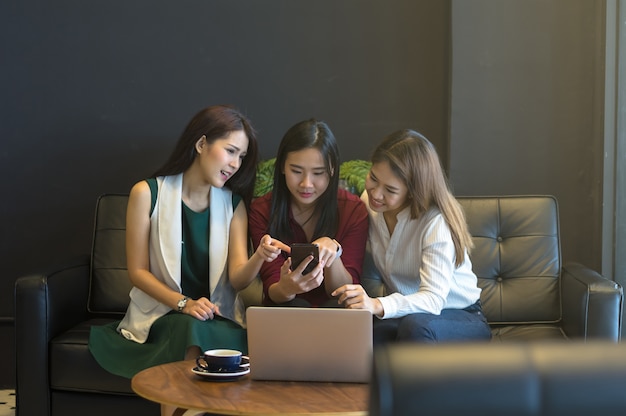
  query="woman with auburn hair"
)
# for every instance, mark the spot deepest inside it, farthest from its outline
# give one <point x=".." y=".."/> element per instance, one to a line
<point x="307" y="206"/>
<point x="419" y="244"/>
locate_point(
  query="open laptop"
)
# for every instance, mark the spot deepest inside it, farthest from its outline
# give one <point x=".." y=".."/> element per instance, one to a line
<point x="309" y="344"/>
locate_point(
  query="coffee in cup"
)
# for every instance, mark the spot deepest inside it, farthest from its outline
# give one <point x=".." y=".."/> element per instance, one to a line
<point x="219" y="360"/>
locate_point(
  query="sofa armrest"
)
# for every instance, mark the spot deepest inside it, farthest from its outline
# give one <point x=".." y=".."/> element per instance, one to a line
<point x="592" y="304"/>
<point x="45" y="306"/>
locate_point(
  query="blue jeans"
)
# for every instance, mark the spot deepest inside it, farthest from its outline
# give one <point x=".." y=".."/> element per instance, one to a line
<point x="452" y="325"/>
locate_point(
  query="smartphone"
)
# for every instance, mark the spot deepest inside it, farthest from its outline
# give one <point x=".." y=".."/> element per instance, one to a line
<point x="300" y="251"/>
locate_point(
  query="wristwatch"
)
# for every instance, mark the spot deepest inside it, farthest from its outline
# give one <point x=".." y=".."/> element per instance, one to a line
<point x="182" y="303"/>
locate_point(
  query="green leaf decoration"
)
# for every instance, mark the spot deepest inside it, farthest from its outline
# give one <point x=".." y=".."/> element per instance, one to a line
<point x="264" y="177"/>
<point x="353" y="173"/>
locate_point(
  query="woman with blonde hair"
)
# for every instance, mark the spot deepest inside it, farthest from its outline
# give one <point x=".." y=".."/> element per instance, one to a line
<point x="419" y="244"/>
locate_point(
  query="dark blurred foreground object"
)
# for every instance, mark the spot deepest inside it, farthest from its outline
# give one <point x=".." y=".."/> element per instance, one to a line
<point x="533" y="379"/>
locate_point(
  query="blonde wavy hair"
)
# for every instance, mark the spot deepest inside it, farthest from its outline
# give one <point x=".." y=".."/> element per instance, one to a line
<point x="415" y="161"/>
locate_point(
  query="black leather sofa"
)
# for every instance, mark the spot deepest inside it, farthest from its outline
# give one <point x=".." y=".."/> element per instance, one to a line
<point x="56" y="374"/>
<point x="512" y="379"/>
<point x="527" y="295"/>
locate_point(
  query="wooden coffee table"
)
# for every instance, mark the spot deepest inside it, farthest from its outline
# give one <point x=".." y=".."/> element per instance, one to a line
<point x="175" y="384"/>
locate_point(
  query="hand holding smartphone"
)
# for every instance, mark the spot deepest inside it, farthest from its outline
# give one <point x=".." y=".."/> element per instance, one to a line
<point x="300" y="251"/>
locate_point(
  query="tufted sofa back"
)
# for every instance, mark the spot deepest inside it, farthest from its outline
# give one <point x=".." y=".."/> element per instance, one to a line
<point x="109" y="282"/>
<point x="517" y="256"/>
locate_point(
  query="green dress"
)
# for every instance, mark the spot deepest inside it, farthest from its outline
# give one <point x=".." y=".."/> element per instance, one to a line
<point x="172" y="334"/>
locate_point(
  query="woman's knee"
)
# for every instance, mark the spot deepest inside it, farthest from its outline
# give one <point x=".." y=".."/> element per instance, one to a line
<point x="417" y="327"/>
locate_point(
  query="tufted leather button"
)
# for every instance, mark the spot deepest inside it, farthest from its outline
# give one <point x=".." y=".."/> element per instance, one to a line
<point x="499" y="279"/>
<point x="500" y="239"/>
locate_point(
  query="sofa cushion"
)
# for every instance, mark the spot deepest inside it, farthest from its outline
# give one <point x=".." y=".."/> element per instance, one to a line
<point x="527" y="332"/>
<point x="73" y="368"/>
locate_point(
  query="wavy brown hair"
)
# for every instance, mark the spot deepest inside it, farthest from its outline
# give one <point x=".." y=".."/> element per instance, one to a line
<point x="415" y="161"/>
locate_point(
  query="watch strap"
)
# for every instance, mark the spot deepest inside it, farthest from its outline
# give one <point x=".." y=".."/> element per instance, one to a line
<point x="182" y="303"/>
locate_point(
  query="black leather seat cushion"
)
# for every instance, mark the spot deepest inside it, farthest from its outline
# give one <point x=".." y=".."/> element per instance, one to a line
<point x="72" y="367"/>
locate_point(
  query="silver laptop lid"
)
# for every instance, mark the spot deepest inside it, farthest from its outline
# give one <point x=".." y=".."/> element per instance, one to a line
<point x="309" y="344"/>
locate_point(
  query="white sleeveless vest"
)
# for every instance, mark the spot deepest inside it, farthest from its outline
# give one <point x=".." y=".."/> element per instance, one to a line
<point x="165" y="258"/>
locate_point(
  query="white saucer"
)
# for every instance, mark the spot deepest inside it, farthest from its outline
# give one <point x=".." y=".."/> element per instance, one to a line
<point x="245" y="361"/>
<point x="224" y="375"/>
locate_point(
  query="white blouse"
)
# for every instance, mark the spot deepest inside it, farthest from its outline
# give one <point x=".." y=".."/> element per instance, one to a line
<point x="416" y="265"/>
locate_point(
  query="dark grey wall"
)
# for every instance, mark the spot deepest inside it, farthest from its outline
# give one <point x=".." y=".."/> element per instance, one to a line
<point x="527" y="108"/>
<point x="93" y="95"/>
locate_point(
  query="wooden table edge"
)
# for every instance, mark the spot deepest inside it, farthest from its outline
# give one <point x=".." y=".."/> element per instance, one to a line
<point x="180" y="369"/>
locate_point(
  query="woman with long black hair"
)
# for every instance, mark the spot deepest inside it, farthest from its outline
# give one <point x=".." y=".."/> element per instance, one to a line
<point x="307" y="206"/>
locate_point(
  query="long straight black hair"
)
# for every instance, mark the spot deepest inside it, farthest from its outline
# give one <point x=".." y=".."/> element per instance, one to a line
<point x="306" y="135"/>
<point x="215" y="122"/>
